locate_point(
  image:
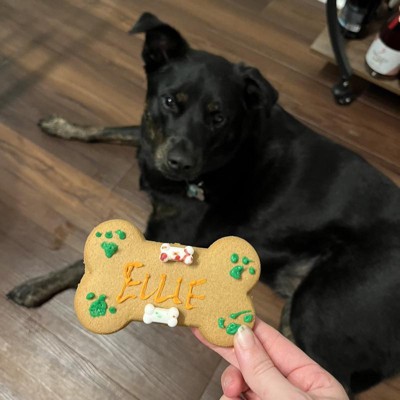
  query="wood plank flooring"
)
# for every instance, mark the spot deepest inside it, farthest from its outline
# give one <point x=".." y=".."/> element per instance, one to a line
<point x="73" y="58"/>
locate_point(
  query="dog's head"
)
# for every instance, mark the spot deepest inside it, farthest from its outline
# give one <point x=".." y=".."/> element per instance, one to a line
<point x="197" y="103"/>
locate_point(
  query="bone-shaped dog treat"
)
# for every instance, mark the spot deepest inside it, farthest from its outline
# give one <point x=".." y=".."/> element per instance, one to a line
<point x="126" y="280"/>
<point x="174" y="253"/>
<point x="168" y="316"/>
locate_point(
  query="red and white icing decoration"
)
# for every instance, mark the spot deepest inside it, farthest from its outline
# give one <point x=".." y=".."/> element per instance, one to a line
<point x="170" y="253"/>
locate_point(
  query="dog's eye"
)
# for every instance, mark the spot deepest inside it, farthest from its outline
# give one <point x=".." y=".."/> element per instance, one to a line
<point x="218" y="119"/>
<point x="170" y="103"/>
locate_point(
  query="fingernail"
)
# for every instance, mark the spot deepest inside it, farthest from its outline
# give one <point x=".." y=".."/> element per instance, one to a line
<point x="226" y="382"/>
<point x="245" y="337"/>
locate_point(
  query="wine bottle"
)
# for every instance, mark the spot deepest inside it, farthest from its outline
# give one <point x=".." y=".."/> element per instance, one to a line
<point x="355" y="15"/>
<point x="383" y="56"/>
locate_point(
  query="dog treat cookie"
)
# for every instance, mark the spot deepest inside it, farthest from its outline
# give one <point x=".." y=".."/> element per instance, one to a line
<point x="130" y="279"/>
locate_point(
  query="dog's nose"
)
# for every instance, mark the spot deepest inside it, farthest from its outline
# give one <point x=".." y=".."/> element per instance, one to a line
<point x="180" y="161"/>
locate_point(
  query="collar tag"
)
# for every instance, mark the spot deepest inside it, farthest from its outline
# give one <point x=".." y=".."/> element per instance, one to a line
<point x="195" y="191"/>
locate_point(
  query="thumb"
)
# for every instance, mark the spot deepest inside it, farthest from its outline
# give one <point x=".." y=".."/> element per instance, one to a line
<point x="257" y="368"/>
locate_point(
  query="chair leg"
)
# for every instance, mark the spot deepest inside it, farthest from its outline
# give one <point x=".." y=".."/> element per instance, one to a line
<point x="342" y="91"/>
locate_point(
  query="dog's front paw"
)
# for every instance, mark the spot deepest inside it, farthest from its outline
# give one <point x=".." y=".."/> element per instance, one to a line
<point x="32" y="293"/>
<point x="54" y="126"/>
<point x="60" y="127"/>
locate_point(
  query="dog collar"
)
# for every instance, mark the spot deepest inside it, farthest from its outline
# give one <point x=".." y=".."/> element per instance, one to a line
<point x="195" y="191"/>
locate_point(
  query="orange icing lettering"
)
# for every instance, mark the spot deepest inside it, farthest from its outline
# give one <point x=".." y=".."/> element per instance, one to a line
<point x="128" y="281"/>
<point x="144" y="288"/>
<point x="174" y="296"/>
<point x="190" y="294"/>
<point x="159" y="298"/>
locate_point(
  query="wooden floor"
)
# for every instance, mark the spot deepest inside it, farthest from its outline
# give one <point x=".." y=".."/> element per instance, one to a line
<point x="73" y="58"/>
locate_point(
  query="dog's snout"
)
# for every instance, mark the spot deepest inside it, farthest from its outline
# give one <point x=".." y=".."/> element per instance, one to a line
<point x="180" y="161"/>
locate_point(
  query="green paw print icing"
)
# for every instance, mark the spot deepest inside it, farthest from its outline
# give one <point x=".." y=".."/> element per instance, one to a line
<point x="121" y="234"/>
<point x="233" y="327"/>
<point x="99" y="307"/>
<point x="110" y="248"/>
<point x="90" y="296"/>
<point x="237" y="271"/>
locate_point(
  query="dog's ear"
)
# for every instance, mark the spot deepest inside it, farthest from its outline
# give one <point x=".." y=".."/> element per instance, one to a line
<point x="162" y="43"/>
<point x="259" y="93"/>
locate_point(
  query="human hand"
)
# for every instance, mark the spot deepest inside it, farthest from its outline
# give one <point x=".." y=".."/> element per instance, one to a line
<point x="264" y="365"/>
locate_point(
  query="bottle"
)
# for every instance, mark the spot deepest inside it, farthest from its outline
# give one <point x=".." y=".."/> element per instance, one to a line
<point x="393" y="3"/>
<point x="383" y="56"/>
<point x="355" y="15"/>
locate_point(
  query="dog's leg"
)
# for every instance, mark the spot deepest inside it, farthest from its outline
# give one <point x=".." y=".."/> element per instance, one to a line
<point x="286" y="330"/>
<point x="59" y="127"/>
<point x="284" y="326"/>
<point x="35" y="292"/>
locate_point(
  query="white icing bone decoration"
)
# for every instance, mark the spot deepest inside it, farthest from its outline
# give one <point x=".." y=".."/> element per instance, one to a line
<point x="169" y="252"/>
<point x="168" y="316"/>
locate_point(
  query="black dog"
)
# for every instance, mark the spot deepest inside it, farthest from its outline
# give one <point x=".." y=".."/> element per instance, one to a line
<point x="219" y="157"/>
